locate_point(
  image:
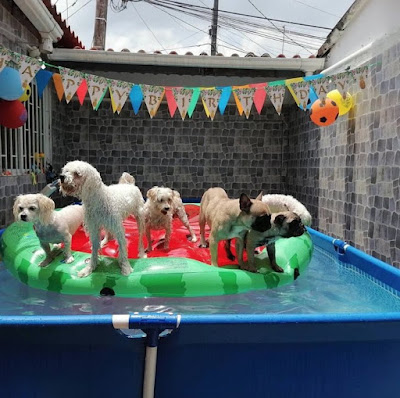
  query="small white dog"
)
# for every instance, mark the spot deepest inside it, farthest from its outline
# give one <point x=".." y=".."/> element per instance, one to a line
<point x="105" y="207"/>
<point x="50" y="226"/>
<point x="161" y="206"/>
<point x="278" y="203"/>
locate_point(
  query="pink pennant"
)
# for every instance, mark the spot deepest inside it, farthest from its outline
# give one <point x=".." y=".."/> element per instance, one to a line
<point x="81" y="92"/>
<point x="172" y="105"/>
<point x="259" y="95"/>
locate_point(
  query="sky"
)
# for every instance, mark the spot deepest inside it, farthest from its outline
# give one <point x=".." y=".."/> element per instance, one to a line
<point x="152" y="25"/>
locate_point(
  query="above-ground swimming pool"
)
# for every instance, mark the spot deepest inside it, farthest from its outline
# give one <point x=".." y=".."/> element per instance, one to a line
<point x="334" y="332"/>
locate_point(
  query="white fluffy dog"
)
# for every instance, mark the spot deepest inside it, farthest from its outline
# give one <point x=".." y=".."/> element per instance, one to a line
<point x="105" y="207"/>
<point x="50" y="226"/>
<point x="278" y="203"/>
<point x="162" y="204"/>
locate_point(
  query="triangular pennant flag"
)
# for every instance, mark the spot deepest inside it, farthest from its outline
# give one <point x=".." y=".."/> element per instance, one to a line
<point x="5" y="56"/>
<point x="153" y="96"/>
<point x="224" y="99"/>
<point x="238" y="103"/>
<point x="360" y="75"/>
<point x="172" y="105"/>
<point x="81" y="92"/>
<point x="302" y="92"/>
<point x="97" y="88"/>
<point x="210" y="98"/>
<point x="182" y="97"/>
<point x="245" y="96"/>
<point x="119" y="91"/>
<point x="42" y="79"/>
<point x="136" y="98"/>
<point x="259" y="96"/>
<point x="289" y="83"/>
<point x="71" y="80"/>
<point x="341" y="80"/>
<point x="193" y="101"/>
<point x="28" y="67"/>
<point x="321" y="87"/>
<point x="276" y="95"/>
<point x="57" y="80"/>
<point x="113" y="104"/>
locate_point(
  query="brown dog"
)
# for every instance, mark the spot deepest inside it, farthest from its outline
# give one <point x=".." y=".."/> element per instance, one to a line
<point x="231" y="218"/>
<point x="285" y="224"/>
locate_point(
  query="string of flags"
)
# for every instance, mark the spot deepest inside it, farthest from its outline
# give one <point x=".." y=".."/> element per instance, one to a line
<point x="69" y="82"/>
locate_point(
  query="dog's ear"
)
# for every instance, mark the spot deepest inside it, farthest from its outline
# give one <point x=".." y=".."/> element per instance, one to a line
<point x="176" y="194"/>
<point x="245" y="203"/>
<point x="260" y="195"/>
<point x="152" y="193"/>
<point x="46" y="208"/>
<point x="16" y="207"/>
<point x="279" y="219"/>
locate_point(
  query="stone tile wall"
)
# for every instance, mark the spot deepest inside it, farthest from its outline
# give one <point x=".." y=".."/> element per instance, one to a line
<point x="190" y="156"/>
<point x="347" y="174"/>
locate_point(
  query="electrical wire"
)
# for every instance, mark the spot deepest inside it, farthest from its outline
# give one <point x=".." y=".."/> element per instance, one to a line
<point x="80" y="8"/>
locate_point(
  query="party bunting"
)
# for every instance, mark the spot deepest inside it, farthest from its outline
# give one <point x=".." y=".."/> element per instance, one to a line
<point x="321" y="87"/>
<point x="245" y="96"/>
<point x="119" y="91"/>
<point x="302" y="92"/>
<point x="276" y="94"/>
<point x="224" y="99"/>
<point x="71" y="80"/>
<point x="136" y="98"/>
<point x="305" y="90"/>
<point x="97" y="88"/>
<point x="182" y="97"/>
<point x="193" y="101"/>
<point x="172" y="105"/>
<point x="58" y="85"/>
<point x="153" y="96"/>
<point x="81" y="92"/>
<point x="42" y="79"/>
<point x="210" y="99"/>
<point x="5" y="56"/>
<point x="341" y="80"/>
<point x="259" y="95"/>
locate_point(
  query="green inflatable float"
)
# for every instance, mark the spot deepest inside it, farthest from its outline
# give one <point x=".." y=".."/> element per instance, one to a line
<point x="156" y="276"/>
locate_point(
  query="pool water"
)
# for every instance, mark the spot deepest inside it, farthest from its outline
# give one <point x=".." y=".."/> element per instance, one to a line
<point x="327" y="286"/>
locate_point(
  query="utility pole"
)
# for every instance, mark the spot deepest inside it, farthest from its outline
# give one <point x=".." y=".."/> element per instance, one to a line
<point x="100" y="25"/>
<point x="213" y="30"/>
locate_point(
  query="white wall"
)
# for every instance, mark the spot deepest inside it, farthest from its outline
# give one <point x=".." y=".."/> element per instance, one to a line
<point x="376" y="20"/>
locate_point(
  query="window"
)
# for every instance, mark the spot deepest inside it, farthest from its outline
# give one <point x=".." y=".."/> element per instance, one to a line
<point x="28" y="147"/>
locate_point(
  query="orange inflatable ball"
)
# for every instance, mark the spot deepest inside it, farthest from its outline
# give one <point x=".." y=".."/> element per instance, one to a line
<point x="12" y="114"/>
<point x="324" y="115"/>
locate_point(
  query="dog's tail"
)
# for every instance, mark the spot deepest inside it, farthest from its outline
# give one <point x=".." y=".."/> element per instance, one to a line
<point x="126" y="178"/>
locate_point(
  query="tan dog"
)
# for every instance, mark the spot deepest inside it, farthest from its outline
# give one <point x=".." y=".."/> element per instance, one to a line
<point x="50" y="226"/>
<point x="161" y="206"/>
<point x="230" y="218"/>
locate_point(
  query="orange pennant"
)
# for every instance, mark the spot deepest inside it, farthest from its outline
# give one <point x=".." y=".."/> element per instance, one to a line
<point x="58" y="85"/>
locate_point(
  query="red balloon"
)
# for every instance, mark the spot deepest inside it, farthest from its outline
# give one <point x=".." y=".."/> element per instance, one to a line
<point x="12" y="114"/>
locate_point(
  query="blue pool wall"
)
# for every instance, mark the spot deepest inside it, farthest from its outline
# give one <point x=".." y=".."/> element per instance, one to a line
<point x="312" y="355"/>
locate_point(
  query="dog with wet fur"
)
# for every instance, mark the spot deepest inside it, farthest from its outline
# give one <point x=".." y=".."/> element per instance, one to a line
<point x="51" y="227"/>
<point x="161" y="206"/>
<point x="105" y="207"/>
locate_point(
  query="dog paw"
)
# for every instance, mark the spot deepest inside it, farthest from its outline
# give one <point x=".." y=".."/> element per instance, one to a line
<point x="247" y="267"/>
<point x="85" y="272"/>
<point x="202" y="245"/>
<point x="126" y="269"/>
<point x="45" y="262"/>
<point x="69" y="260"/>
<point x="193" y="239"/>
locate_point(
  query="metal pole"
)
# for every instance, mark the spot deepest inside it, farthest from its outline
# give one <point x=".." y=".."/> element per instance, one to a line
<point x="100" y="25"/>
<point x="214" y="29"/>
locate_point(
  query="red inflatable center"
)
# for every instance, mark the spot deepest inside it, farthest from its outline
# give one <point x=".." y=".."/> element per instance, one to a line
<point x="179" y="245"/>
